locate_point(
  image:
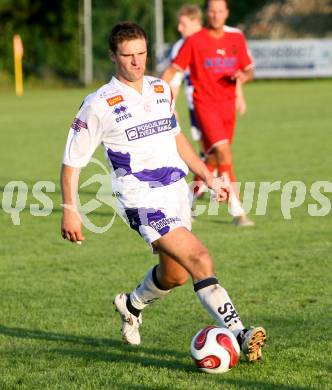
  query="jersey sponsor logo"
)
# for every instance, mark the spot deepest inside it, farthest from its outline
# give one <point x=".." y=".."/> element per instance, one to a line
<point x="115" y="100"/>
<point x="77" y="125"/>
<point x="163" y="100"/>
<point x="151" y="128"/>
<point x="121" y="112"/>
<point x="159" y="88"/>
<point x="218" y="64"/>
<point x="154" y="81"/>
<point x="222" y="52"/>
<point x="162" y="223"/>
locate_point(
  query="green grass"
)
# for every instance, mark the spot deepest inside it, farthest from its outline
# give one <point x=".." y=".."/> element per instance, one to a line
<point x="57" y="325"/>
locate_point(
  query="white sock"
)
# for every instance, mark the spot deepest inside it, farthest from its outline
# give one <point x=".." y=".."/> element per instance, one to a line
<point x="148" y="291"/>
<point x="218" y="303"/>
<point x="234" y="204"/>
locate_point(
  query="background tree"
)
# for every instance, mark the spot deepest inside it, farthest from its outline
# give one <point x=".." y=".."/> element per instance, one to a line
<point x="51" y="31"/>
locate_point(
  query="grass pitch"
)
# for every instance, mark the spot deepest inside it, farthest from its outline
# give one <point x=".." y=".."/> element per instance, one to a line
<point x="57" y="325"/>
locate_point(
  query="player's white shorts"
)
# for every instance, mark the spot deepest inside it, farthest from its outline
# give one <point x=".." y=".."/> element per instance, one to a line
<point x="153" y="212"/>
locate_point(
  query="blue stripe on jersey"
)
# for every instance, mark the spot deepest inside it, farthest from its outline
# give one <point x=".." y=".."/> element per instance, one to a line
<point x="160" y="176"/>
<point x="120" y="162"/>
<point x="157" y="177"/>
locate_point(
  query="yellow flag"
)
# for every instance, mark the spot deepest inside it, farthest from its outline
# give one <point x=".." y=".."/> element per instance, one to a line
<point x="18" y="54"/>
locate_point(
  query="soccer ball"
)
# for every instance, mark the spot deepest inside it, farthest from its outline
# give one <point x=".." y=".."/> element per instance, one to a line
<point x="215" y="350"/>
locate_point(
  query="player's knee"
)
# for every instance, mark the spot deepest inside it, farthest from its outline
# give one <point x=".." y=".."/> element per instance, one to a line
<point x="202" y="261"/>
<point x="224" y="154"/>
<point x="180" y="280"/>
<point x="171" y="281"/>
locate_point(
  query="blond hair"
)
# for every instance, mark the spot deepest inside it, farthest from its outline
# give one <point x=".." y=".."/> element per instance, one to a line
<point x="192" y="11"/>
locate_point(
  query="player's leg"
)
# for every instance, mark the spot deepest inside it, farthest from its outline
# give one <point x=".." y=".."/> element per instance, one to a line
<point x="149" y="290"/>
<point x="185" y="248"/>
<point x="206" y="121"/>
<point x="223" y="153"/>
<point x="181" y="254"/>
<point x="191" y="254"/>
<point x="158" y="282"/>
<point x="170" y="273"/>
<point x="198" y="187"/>
<point x="172" y="209"/>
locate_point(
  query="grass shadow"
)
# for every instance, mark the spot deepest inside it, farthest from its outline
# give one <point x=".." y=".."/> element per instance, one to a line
<point x="115" y="351"/>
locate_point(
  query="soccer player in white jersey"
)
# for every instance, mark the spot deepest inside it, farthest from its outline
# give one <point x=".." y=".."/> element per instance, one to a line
<point x="132" y="116"/>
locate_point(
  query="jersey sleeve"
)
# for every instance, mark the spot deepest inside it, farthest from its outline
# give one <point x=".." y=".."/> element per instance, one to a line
<point x="177" y="79"/>
<point x="85" y="135"/>
<point x="245" y="59"/>
<point x="183" y="58"/>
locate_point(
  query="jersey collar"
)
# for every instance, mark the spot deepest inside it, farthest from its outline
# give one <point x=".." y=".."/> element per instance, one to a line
<point x="129" y="89"/>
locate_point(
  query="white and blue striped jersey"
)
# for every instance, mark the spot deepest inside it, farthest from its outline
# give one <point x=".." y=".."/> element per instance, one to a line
<point x="136" y="130"/>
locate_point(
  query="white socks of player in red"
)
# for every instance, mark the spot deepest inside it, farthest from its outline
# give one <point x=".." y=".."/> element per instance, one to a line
<point x="234" y="204"/>
<point x="148" y="291"/>
<point x="217" y="302"/>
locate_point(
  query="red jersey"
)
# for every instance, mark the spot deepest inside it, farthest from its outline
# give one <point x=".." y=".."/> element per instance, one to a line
<point x="213" y="61"/>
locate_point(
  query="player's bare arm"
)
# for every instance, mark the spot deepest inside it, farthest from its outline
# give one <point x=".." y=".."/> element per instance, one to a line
<point x="242" y="77"/>
<point x="71" y="224"/>
<point x="170" y="72"/>
<point x="197" y="166"/>
<point x="240" y="101"/>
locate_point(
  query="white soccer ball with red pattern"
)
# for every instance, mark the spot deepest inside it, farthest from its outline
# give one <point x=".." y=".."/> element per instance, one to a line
<point x="215" y="350"/>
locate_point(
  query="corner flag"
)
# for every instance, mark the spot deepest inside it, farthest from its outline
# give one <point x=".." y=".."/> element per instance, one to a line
<point x="18" y="54"/>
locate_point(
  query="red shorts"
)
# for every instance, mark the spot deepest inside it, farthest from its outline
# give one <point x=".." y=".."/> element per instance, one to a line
<point x="216" y="121"/>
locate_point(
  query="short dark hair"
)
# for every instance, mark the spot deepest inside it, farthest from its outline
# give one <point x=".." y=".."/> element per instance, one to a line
<point x="207" y="4"/>
<point x="125" y="31"/>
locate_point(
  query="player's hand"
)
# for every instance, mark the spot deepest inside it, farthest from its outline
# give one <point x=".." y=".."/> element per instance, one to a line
<point x="71" y="225"/>
<point x="220" y="187"/>
<point x="240" y="76"/>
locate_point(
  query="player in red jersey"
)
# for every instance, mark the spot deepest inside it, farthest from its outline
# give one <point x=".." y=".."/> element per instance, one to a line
<point x="218" y="59"/>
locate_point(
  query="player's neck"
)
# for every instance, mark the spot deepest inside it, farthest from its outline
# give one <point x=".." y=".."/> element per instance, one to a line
<point x="198" y="28"/>
<point x="216" y="33"/>
<point x="137" y="85"/>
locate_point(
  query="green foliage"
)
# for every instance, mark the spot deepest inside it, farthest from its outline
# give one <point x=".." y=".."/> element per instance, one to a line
<point x="52" y="34"/>
<point x="49" y="30"/>
<point x="240" y="9"/>
<point x="105" y="15"/>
